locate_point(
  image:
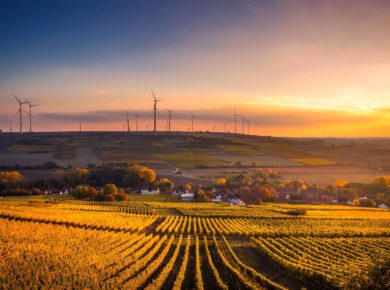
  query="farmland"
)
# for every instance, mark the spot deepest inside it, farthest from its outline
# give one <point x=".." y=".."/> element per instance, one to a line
<point x="200" y="156"/>
<point x="60" y="242"/>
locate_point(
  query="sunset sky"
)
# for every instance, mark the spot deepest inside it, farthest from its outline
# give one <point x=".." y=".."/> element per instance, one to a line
<point x="296" y="68"/>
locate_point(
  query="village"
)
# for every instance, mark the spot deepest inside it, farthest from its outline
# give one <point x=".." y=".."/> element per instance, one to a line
<point x="264" y="185"/>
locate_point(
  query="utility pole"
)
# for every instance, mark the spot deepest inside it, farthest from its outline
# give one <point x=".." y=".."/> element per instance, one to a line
<point x="247" y="122"/>
<point x="243" y="126"/>
<point x="256" y="129"/>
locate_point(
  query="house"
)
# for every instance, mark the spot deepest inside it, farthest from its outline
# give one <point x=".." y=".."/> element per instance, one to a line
<point x="218" y="198"/>
<point x="382" y="205"/>
<point x="147" y="191"/>
<point x="180" y="192"/>
<point x="236" y="201"/>
<point x="187" y="196"/>
<point x="285" y="195"/>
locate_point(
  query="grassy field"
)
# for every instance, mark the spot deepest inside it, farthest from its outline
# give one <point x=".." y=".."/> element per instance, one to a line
<point x="156" y="242"/>
<point x="355" y="160"/>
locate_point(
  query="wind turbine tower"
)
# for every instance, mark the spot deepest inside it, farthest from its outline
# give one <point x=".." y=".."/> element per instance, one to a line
<point x="169" y="119"/>
<point x="30" y="107"/>
<point x="155" y="112"/>
<point x="247" y="123"/>
<point x="128" y="122"/>
<point x="243" y="126"/>
<point x="235" y="121"/>
<point x="136" y="120"/>
<point x="192" y="122"/>
<point x="20" y="114"/>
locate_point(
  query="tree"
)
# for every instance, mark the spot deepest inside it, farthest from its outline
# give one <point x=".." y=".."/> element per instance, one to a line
<point x="166" y="186"/>
<point x="121" y="195"/>
<point x="137" y="176"/>
<point x="74" y="176"/>
<point x="265" y="193"/>
<point x="202" y="196"/>
<point x="147" y="174"/>
<point x="367" y="203"/>
<point x="110" y="189"/>
<point x="340" y="183"/>
<point x="85" y="191"/>
<point x="10" y="178"/>
<point x="221" y="181"/>
<point x="384" y="180"/>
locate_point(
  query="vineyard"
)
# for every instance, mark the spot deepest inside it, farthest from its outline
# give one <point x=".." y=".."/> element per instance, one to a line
<point x="72" y="244"/>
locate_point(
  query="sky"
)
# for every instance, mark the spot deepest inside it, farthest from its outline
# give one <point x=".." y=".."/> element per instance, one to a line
<point x="290" y="68"/>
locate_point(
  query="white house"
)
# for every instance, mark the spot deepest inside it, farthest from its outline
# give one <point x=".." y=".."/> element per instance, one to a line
<point x="218" y="198"/>
<point x="236" y="201"/>
<point x="153" y="191"/>
<point x="382" y="205"/>
<point x="187" y="196"/>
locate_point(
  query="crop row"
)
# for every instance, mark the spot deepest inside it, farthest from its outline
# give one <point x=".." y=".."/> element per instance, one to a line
<point x="330" y="262"/>
<point x="52" y="256"/>
<point x="274" y="227"/>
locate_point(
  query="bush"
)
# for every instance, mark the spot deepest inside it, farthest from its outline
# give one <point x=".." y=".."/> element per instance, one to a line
<point x="297" y="212"/>
<point x="120" y="196"/>
<point x="367" y="203"/>
<point x="110" y="189"/>
<point x="109" y="197"/>
<point x="84" y="191"/>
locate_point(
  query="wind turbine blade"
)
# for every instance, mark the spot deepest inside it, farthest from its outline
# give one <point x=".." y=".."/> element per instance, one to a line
<point x="153" y="95"/>
<point x="17" y="99"/>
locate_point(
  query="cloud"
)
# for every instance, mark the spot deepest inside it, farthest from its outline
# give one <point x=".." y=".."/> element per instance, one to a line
<point x="266" y="115"/>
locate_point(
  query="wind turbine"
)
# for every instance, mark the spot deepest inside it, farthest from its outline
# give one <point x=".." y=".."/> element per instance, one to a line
<point x="136" y="120"/>
<point x="192" y="122"/>
<point x="243" y="126"/>
<point x="30" y="106"/>
<point x="128" y="122"/>
<point x="169" y="119"/>
<point x="256" y="128"/>
<point x="248" y="122"/>
<point x="235" y="121"/>
<point x="155" y="111"/>
<point x="20" y="114"/>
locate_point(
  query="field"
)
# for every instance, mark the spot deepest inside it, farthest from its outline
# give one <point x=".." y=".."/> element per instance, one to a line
<point x="158" y="242"/>
<point x="319" y="161"/>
